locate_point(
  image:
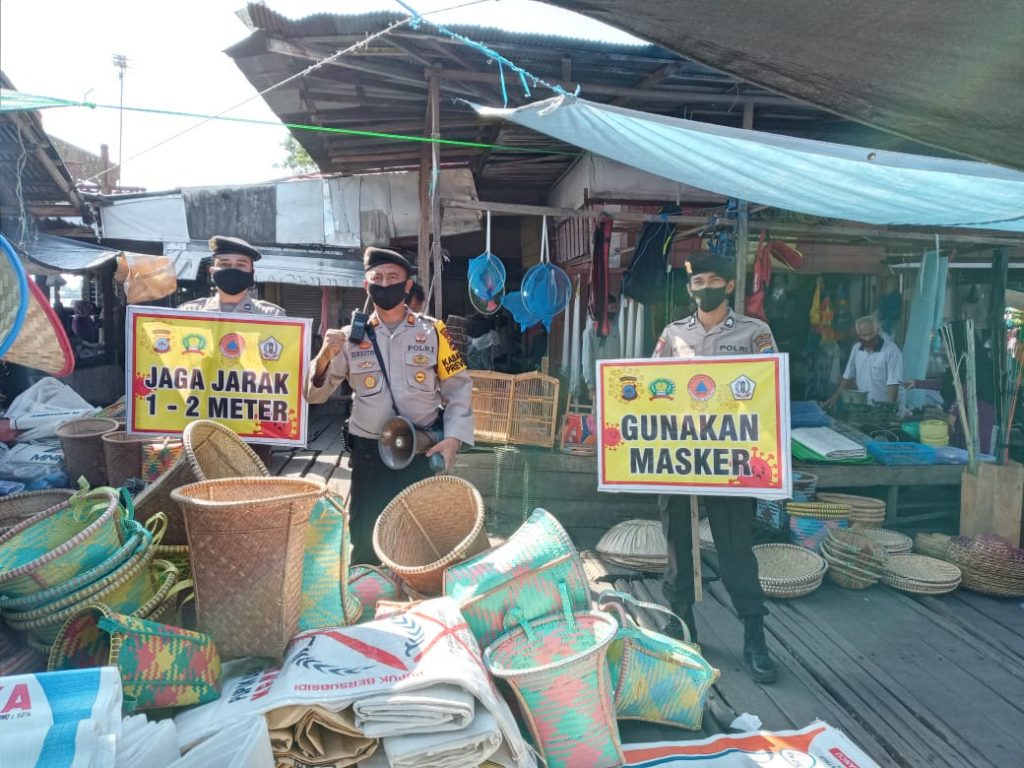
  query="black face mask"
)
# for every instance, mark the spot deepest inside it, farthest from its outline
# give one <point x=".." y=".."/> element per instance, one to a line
<point x="233" y="281"/>
<point x="708" y="299"/>
<point x="387" y="296"/>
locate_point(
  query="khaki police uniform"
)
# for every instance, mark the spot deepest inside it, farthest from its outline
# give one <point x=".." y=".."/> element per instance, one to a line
<point x="248" y="306"/>
<point x="731" y="517"/>
<point x="426" y="371"/>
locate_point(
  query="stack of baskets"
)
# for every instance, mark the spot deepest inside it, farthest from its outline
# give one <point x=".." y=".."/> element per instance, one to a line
<point x="990" y="565"/>
<point x="855" y="561"/>
<point x="893" y="542"/>
<point x="865" y="512"/>
<point x="811" y="521"/>
<point x="19" y="507"/>
<point x="788" y="570"/>
<point x="773" y="513"/>
<point x="920" y="574"/>
<point x="81" y="551"/>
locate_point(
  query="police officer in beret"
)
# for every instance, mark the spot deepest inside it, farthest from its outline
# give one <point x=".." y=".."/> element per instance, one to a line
<point x="713" y="330"/>
<point x="426" y="373"/>
<point x="233" y="273"/>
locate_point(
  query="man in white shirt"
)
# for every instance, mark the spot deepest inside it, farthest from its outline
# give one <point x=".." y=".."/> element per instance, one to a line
<point x="875" y="365"/>
<point x="596" y="347"/>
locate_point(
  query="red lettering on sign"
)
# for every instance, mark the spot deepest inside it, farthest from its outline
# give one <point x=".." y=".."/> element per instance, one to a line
<point x="842" y="758"/>
<point x="19" y="699"/>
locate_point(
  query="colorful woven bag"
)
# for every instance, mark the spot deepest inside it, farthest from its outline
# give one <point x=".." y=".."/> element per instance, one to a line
<point x="161" y="666"/>
<point x="656" y="679"/>
<point x="157" y="458"/>
<point x="326" y="598"/>
<point x="559" y="671"/>
<point x="371" y="584"/>
<point x="525" y="572"/>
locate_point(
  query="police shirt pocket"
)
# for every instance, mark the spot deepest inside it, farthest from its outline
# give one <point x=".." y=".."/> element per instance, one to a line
<point x="419" y="371"/>
<point x="366" y="378"/>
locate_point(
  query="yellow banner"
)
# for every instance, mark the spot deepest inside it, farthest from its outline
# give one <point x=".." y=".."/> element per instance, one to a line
<point x="243" y="371"/>
<point x="714" y="426"/>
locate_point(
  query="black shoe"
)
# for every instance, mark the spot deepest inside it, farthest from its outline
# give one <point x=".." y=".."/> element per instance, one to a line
<point x="755" y="651"/>
<point x="675" y="630"/>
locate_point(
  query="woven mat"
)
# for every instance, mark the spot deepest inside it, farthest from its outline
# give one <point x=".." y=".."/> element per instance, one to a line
<point x="42" y="342"/>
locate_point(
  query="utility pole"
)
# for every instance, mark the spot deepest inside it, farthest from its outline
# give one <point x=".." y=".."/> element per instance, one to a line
<point x="121" y="62"/>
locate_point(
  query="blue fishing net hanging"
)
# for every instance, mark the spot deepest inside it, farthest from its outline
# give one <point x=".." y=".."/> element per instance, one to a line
<point x="486" y="278"/>
<point x="546" y="288"/>
<point x="513" y="302"/>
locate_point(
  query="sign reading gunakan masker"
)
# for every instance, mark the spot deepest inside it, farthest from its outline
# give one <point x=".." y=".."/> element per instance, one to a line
<point x="243" y="371"/>
<point x="714" y="426"/>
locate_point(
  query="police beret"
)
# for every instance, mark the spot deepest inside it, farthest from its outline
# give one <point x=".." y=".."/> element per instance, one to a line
<point x="219" y="244"/>
<point x="374" y="257"/>
<point x="704" y="261"/>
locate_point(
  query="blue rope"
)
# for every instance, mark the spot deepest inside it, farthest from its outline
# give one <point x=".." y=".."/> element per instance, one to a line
<point x="489" y="53"/>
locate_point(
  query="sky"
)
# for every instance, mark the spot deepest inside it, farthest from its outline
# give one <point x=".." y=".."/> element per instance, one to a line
<point x="176" y="61"/>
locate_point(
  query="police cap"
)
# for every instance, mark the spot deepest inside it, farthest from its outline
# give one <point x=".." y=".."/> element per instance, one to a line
<point x="704" y="261"/>
<point x="220" y="245"/>
<point x="374" y="257"/>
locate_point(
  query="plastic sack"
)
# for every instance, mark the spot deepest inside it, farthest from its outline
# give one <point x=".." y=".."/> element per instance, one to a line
<point x="146" y="277"/>
<point x="60" y="718"/>
<point x="146" y="743"/>
<point x="243" y="744"/>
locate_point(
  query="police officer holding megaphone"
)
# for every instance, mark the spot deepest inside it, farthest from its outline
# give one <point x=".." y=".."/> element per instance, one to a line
<point x="412" y="393"/>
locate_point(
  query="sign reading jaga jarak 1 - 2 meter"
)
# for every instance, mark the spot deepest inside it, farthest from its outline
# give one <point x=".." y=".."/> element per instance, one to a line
<point x="714" y="426"/>
<point x="243" y="371"/>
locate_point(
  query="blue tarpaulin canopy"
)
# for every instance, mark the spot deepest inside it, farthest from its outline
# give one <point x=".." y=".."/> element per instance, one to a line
<point x="813" y="177"/>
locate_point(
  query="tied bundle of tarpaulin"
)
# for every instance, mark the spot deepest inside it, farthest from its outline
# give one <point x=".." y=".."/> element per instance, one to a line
<point x="415" y="681"/>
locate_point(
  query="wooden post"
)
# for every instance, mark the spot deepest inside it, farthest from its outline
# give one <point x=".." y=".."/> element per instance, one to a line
<point x="434" y="94"/>
<point x="423" y="239"/>
<point x="698" y="586"/>
<point x="742" y="229"/>
<point x="997" y="329"/>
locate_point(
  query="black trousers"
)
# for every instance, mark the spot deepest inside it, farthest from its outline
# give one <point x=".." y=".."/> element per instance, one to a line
<point x="732" y="525"/>
<point x="373" y="488"/>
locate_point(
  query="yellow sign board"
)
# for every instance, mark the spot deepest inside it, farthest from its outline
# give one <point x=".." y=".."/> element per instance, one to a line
<point x="714" y="426"/>
<point x="243" y="371"/>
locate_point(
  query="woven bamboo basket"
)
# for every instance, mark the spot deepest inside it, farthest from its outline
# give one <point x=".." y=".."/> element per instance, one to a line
<point x="847" y="575"/>
<point x="157" y="498"/>
<point x="82" y="441"/>
<point x="58" y="543"/>
<point x="638" y="544"/>
<point x="370" y="585"/>
<point x="123" y="456"/>
<point x="788" y="570"/>
<point x="429" y="526"/>
<point x="133" y="543"/>
<point x="215" y="452"/>
<point x="893" y="542"/>
<point x="177" y="555"/>
<point x="247" y="538"/>
<point x="556" y="667"/>
<point x="19" y="507"/>
<point x="921" y="574"/>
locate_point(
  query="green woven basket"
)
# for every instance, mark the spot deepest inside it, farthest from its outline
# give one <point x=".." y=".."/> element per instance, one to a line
<point x="84" y="579"/>
<point x="59" y="543"/>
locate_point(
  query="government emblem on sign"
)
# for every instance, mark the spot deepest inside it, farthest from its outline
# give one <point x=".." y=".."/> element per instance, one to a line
<point x="194" y="344"/>
<point x="231" y="346"/>
<point x="161" y="341"/>
<point x="271" y="349"/>
<point x="742" y="388"/>
<point x="628" y="391"/>
<point x="701" y="387"/>
<point x="662" y="389"/>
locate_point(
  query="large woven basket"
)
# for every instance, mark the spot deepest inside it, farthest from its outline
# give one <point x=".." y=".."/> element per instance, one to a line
<point x="156" y="498"/>
<point x="931" y="544"/>
<point x="558" y="669"/>
<point x="123" y="456"/>
<point x="246" y="538"/>
<point x="19" y="507"/>
<point x="60" y="542"/>
<point x="429" y="526"/>
<point x="920" y="574"/>
<point x="215" y="452"/>
<point x="82" y="441"/>
<point x="788" y="570"/>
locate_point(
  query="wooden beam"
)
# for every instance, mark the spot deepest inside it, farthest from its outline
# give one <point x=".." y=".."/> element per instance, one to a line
<point x="665" y="70"/>
<point x="423" y="228"/>
<point x="514" y="209"/>
<point x="434" y="103"/>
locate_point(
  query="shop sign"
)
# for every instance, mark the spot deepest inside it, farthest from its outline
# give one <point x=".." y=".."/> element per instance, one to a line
<point x="244" y="371"/>
<point x="715" y="426"/>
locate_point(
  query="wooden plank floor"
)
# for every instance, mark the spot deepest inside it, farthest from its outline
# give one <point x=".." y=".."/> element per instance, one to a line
<point x="915" y="681"/>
